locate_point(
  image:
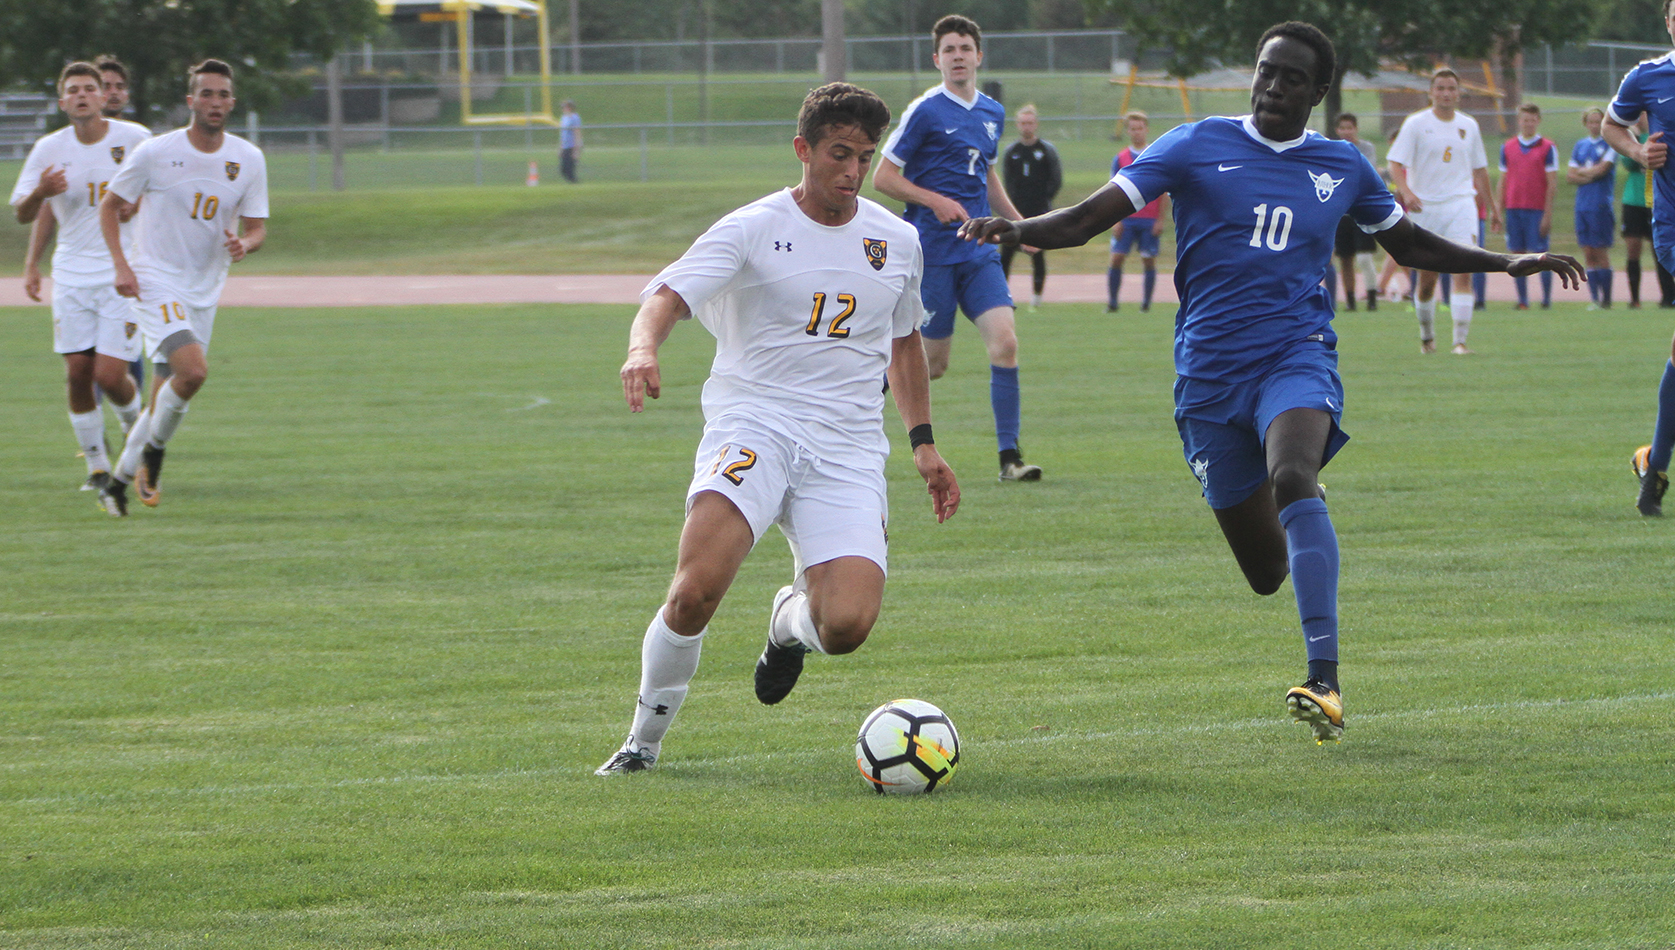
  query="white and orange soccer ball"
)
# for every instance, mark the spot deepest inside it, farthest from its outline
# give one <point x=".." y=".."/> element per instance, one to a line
<point x="907" y="747"/>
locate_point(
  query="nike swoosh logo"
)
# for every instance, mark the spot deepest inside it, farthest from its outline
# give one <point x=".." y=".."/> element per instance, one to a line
<point x="1666" y="98"/>
<point x="1227" y="168"/>
<point x="950" y="131"/>
<point x="1319" y="638"/>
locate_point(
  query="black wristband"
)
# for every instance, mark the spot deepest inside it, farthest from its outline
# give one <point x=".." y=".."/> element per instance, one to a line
<point x="920" y="435"/>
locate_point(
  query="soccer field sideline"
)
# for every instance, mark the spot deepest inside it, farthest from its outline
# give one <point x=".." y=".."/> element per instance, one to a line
<point x="369" y="291"/>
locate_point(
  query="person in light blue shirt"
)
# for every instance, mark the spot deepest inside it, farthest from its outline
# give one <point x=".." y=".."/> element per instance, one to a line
<point x="569" y="140"/>
<point x="1649" y="90"/>
<point x="940" y="161"/>
<point x="1593" y="170"/>
<point x="1258" y="399"/>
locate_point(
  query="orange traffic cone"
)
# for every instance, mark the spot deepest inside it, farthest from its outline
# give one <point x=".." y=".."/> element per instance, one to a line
<point x="534" y="175"/>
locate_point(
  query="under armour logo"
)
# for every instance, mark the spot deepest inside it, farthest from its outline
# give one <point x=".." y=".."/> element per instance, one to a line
<point x="657" y="710"/>
<point x="782" y="245"/>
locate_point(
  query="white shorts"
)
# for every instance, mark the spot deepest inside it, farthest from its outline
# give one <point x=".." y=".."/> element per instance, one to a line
<point x="162" y="315"/>
<point x="824" y="508"/>
<point x="93" y="318"/>
<point x="1452" y="218"/>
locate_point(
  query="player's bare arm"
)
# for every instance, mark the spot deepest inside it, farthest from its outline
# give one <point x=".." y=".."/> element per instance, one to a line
<point x="1413" y="246"/>
<point x="253" y="233"/>
<point x="1398" y="177"/>
<point x="40" y="235"/>
<point x="53" y="182"/>
<point x="910" y="386"/>
<point x="110" y="225"/>
<point x="1486" y="196"/>
<point x="1066" y="227"/>
<point x="889" y="180"/>
<point x="640" y="374"/>
<point x="1653" y="153"/>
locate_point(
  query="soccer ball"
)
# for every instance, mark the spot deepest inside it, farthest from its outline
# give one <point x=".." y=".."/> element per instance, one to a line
<point x="907" y="747"/>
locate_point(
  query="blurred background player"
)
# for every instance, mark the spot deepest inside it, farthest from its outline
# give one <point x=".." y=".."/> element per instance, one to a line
<point x="1140" y="228"/>
<point x="1441" y="174"/>
<point x="114" y="75"/>
<point x="940" y="161"/>
<point x="1593" y="170"/>
<point x="1649" y="90"/>
<point x="1637" y="228"/>
<point x="793" y="413"/>
<point x="59" y="189"/>
<point x="1354" y="248"/>
<point x="1529" y="167"/>
<point x="203" y="201"/>
<point x="569" y="140"/>
<point x="1033" y="176"/>
<point x="1258" y="397"/>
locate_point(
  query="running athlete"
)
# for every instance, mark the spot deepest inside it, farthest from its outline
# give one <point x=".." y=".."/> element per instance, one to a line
<point x="1649" y="90"/>
<point x="940" y="161"/>
<point x="199" y="184"/>
<point x="1258" y="399"/>
<point x="65" y="175"/>
<point x="812" y="295"/>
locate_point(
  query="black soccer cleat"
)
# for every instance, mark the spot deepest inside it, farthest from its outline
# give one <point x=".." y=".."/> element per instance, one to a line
<point x="1013" y="468"/>
<point x="145" y="480"/>
<point x="1652" y="484"/>
<point x="627" y="759"/>
<point x="779" y="667"/>
<point x="113" y="496"/>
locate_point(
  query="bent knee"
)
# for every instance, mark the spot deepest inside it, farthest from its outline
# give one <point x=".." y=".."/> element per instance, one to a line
<point x="844" y="634"/>
<point x="1267" y="580"/>
<point x="690" y="607"/>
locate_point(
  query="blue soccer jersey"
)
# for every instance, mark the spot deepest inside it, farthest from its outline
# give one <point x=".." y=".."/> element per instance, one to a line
<point x="1595" y="196"/>
<point x="946" y="145"/>
<point x="1255" y="223"/>
<point x="1649" y="88"/>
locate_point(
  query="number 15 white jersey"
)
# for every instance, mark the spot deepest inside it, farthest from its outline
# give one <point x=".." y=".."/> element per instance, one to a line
<point x="804" y="316"/>
<point x="191" y="198"/>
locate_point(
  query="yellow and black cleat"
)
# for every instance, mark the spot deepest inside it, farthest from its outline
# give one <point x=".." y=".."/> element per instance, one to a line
<point x="1321" y="708"/>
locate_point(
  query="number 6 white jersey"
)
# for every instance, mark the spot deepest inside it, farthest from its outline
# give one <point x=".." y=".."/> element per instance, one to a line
<point x="81" y="258"/>
<point x="191" y="198"/>
<point x="804" y="316"/>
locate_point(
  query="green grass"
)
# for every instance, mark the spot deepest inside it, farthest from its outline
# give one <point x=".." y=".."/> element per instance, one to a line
<point x="347" y="685"/>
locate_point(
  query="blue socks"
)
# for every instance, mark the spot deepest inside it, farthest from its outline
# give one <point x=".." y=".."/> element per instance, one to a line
<point x="1546" y="289"/>
<point x="1113" y="287"/>
<point x="1149" y="286"/>
<point x="1523" y="285"/>
<point x="1312" y="547"/>
<point x="1663" y="437"/>
<point x="1003" y="396"/>
<point x="1599" y="285"/>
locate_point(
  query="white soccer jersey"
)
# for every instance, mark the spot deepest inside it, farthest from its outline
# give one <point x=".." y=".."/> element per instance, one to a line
<point x="1439" y="155"/>
<point x="81" y="258"/>
<point x="803" y="316"/>
<point x="191" y="198"/>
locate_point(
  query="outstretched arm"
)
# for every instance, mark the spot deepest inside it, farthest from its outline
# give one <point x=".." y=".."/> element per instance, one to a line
<point x="910" y="384"/>
<point x="1066" y="227"/>
<point x="1413" y="246"/>
<point x="640" y="374"/>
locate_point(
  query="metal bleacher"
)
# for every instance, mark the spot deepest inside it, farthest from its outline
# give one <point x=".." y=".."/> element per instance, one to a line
<point x="23" y="119"/>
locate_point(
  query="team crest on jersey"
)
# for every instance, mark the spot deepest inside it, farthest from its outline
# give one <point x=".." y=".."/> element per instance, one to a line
<point x="1324" y="185"/>
<point x="129" y="329"/>
<point x="1462" y="134"/>
<point x="875" y="252"/>
<point x="993" y="129"/>
<point x="232" y="171"/>
<point x="117" y="151"/>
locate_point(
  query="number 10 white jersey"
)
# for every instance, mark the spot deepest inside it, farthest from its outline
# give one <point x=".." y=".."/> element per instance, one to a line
<point x="804" y="316"/>
<point x="191" y="198"/>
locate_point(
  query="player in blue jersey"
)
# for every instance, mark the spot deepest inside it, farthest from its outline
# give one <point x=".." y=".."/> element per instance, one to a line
<point x="1649" y="90"/>
<point x="1592" y="170"/>
<point x="940" y="160"/>
<point x="1257" y="397"/>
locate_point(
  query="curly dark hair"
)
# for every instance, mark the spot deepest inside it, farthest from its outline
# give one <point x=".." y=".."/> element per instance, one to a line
<point x="838" y="105"/>
<point x="1325" y="57"/>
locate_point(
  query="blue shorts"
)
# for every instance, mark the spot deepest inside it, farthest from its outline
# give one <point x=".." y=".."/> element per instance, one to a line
<point x="1595" y="228"/>
<point x="973" y="286"/>
<point x="1523" y="231"/>
<point x="1223" y="425"/>
<point x="1136" y="230"/>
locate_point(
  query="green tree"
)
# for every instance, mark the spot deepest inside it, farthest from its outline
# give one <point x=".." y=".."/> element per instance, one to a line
<point x="158" y="39"/>
<point x="1363" y="31"/>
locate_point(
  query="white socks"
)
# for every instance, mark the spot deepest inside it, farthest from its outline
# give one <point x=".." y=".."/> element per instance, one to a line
<point x="1427" y="310"/>
<point x="1369" y="269"/>
<point x="668" y="661"/>
<point x="130" y="461"/>
<point x="90" y="435"/>
<point x="128" y="413"/>
<point x="794" y="623"/>
<point x="1460" y="305"/>
<point x="166" y="415"/>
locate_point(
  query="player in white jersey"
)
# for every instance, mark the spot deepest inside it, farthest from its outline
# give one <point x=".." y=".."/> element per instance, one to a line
<point x="205" y="206"/>
<point x="813" y="297"/>
<point x="1442" y="177"/>
<point x="65" y="175"/>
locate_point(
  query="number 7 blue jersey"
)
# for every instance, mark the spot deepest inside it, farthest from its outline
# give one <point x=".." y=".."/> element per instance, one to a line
<point x="946" y="145"/>
<point x="1255" y="222"/>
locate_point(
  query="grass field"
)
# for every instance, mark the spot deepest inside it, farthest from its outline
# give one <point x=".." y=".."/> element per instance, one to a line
<point x="347" y="686"/>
